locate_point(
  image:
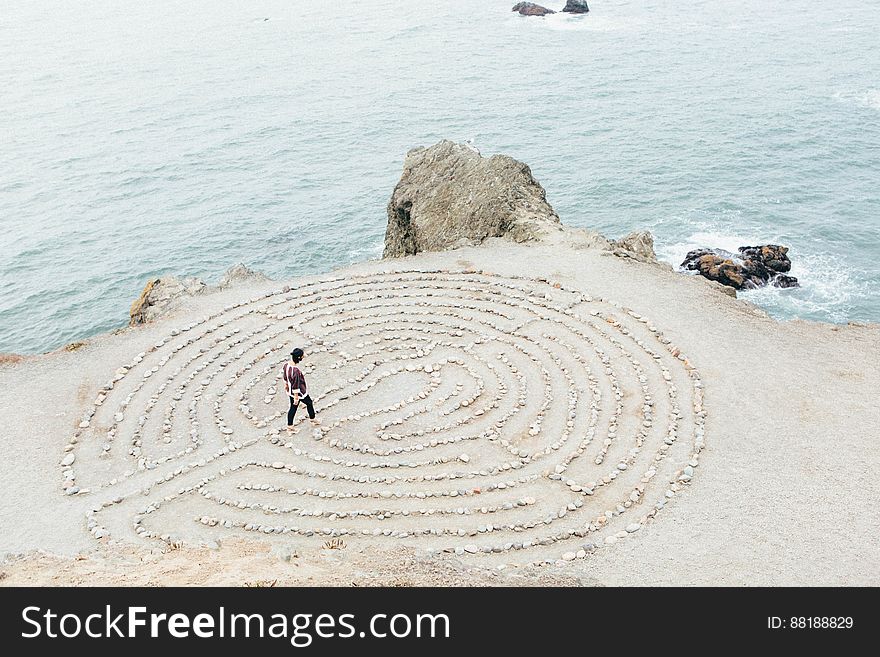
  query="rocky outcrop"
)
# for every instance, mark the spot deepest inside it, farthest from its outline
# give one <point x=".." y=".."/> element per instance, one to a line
<point x="161" y="295"/>
<point x="576" y="7"/>
<point x="10" y="359"/>
<point x="638" y="245"/>
<point x="451" y="196"/>
<point x="531" y="9"/>
<point x="752" y="267"/>
<point x="238" y="274"/>
<point x="772" y="256"/>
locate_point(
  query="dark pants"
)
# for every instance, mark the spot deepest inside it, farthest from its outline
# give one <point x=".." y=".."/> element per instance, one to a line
<point x="309" y="406"/>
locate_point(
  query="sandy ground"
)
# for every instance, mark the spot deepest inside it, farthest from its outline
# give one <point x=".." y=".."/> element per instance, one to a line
<point x="250" y="563"/>
<point x="784" y="493"/>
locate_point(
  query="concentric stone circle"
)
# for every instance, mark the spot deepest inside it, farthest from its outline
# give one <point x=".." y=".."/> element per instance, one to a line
<point x="501" y="418"/>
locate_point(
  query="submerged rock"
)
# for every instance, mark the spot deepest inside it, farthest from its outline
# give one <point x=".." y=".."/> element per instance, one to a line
<point x="752" y="267"/>
<point x="576" y="7"/>
<point x="451" y="196"/>
<point x="531" y="9"/>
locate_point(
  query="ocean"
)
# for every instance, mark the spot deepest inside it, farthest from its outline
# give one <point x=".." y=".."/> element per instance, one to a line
<point x="140" y="139"/>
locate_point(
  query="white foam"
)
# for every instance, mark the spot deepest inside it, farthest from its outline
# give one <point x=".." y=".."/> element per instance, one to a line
<point x="828" y="290"/>
<point x="675" y="252"/>
<point x="869" y="98"/>
<point x="592" y="22"/>
<point x="369" y="251"/>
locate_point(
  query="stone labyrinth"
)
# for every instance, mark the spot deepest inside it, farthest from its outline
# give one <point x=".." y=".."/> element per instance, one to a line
<point x="504" y="419"/>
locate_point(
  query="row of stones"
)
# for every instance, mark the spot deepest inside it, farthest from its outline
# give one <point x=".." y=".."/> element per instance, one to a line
<point x="69" y="458"/>
<point x="685" y="475"/>
<point x="251" y="526"/>
<point x="123" y="371"/>
<point x="199" y="362"/>
<point x="464" y="403"/>
<point x="213" y="521"/>
<point x="534" y="430"/>
<point x="86" y="423"/>
<point x="491" y="434"/>
<point x="482" y="338"/>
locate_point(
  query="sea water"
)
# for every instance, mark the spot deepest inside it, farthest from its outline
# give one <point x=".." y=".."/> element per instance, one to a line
<point x="144" y="138"/>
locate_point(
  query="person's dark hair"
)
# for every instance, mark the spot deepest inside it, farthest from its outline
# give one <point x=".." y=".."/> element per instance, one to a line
<point x="297" y="355"/>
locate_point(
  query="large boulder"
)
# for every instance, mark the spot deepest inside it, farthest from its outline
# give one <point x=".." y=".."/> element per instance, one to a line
<point x="451" y="196"/>
<point x="576" y="7"/>
<point x="752" y="267"/>
<point x="638" y="244"/>
<point x="772" y="256"/>
<point x="531" y="9"/>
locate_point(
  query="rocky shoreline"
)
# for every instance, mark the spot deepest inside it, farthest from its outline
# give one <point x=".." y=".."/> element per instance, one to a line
<point x="503" y="394"/>
<point x="449" y="197"/>
<point x="750" y="268"/>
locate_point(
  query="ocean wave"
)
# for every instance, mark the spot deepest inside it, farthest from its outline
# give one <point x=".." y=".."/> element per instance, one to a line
<point x="869" y="99"/>
<point x="675" y="252"/>
<point x="585" y="22"/>
<point x="367" y="251"/>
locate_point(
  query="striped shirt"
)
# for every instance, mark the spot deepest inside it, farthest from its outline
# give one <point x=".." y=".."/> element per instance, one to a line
<point x="294" y="379"/>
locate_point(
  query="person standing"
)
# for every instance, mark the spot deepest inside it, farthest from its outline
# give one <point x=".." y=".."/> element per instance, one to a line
<point x="295" y="385"/>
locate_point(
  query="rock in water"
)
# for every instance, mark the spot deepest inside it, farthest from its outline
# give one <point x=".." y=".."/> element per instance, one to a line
<point x="773" y="256"/>
<point x="576" y="7"/>
<point x="450" y="196"/>
<point x="751" y="267"/>
<point x="531" y="9"/>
